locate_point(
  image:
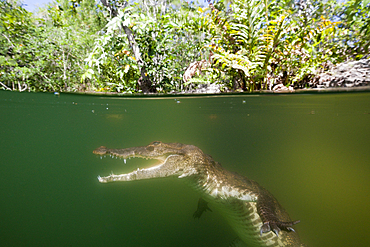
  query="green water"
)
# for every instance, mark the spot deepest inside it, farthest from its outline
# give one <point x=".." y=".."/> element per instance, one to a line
<point x="310" y="151"/>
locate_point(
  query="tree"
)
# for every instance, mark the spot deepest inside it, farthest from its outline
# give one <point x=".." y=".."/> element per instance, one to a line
<point x="46" y="53"/>
<point x="144" y="81"/>
<point x="167" y="40"/>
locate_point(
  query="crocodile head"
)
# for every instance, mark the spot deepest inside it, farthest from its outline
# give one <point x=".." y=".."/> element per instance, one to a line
<point x="176" y="160"/>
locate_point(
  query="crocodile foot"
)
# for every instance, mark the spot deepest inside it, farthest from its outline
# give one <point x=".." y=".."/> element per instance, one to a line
<point x="202" y="207"/>
<point x="276" y="227"/>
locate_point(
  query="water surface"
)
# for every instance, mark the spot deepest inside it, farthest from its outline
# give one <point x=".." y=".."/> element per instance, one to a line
<point x="310" y="150"/>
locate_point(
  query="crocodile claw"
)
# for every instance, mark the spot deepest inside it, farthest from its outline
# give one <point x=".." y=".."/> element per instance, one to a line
<point x="276" y="231"/>
<point x="276" y="227"/>
<point x="267" y="226"/>
<point x="290" y="229"/>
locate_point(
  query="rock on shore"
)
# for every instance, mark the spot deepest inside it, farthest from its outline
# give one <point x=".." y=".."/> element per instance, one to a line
<point x="347" y="74"/>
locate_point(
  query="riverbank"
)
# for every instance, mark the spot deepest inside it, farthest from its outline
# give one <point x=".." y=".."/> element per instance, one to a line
<point x="346" y="76"/>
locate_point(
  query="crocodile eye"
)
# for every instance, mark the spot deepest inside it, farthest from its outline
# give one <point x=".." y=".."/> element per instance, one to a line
<point x="156" y="143"/>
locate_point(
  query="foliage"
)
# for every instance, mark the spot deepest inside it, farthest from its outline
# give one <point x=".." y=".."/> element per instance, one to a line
<point x="46" y="54"/>
<point x="169" y="41"/>
<point x="74" y="45"/>
<point x="355" y="36"/>
<point x="262" y="44"/>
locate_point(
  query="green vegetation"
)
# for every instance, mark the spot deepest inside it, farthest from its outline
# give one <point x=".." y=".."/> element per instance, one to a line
<point x="116" y="46"/>
<point x="46" y="52"/>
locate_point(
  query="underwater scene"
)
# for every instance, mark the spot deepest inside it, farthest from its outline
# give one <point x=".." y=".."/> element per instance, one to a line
<point x="310" y="150"/>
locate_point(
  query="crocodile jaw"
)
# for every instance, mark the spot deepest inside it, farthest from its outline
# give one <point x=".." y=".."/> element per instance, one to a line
<point x="137" y="152"/>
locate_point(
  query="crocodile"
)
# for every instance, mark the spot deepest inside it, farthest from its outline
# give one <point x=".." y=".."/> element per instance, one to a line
<point x="253" y="212"/>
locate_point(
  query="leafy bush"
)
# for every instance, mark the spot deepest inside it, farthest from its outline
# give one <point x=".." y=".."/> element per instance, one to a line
<point x="45" y="54"/>
<point x="261" y="44"/>
<point x="245" y="44"/>
<point x="168" y="42"/>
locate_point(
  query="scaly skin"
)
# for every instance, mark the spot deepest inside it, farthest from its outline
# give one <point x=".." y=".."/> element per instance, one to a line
<point x="250" y="209"/>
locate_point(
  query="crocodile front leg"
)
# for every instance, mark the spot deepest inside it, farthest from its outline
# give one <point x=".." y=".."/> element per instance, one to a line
<point x="202" y="207"/>
<point x="267" y="208"/>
